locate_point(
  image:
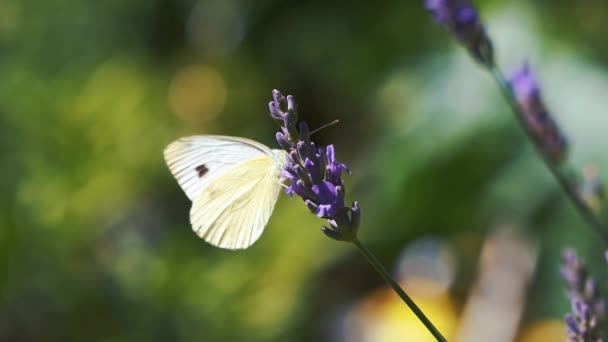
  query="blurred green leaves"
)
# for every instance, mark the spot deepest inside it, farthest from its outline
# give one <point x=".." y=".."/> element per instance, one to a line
<point x="95" y="241"/>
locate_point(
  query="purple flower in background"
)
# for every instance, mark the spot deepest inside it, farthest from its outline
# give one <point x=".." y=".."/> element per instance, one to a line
<point x="462" y="19"/>
<point x="453" y="12"/>
<point x="588" y="309"/>
<point x="524" y="84"/>
<point x="582" y="325"/>
<point x="535" y="115"/>
<point x="313" y="173"/>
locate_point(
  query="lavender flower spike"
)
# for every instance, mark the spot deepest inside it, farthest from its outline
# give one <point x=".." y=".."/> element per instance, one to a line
<point x="588" y="309"/>
<point x="462" y="19"/>
<point x="312" y="172"/>
<point x="535" y="115"/>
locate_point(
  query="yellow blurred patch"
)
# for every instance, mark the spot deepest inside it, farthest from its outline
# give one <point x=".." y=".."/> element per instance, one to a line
<point x="383" y="317"/>
<point x="197" y="94"/>
<point x="547" y="330"/>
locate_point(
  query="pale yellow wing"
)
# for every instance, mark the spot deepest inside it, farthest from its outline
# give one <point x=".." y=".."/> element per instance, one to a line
<point x="197" y="160"/>
<point x="233" y="209"/>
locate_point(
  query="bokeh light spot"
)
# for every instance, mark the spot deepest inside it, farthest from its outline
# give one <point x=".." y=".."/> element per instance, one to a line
<point x="547" y="330"/>
<point x="427" y="258"/>
<point x="197" y="94"/>
<point x="382" y="316"/>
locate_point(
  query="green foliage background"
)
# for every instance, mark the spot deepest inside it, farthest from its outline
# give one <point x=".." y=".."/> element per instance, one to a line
<point x="95" y="242"/>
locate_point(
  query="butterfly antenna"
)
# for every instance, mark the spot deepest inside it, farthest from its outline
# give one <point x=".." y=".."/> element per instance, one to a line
<point x="325" y="126"/>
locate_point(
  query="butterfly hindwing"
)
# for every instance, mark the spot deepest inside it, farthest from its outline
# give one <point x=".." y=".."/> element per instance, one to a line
<point x="233" y="209"/>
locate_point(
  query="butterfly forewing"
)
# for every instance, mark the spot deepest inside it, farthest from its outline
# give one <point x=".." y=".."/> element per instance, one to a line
<point x="196" y="160"/>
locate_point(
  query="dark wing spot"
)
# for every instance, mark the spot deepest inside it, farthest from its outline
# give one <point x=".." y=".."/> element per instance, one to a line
<point x="202" y="170"/>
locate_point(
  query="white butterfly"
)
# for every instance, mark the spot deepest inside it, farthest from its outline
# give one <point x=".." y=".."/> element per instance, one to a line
<point x="233" y="184"/>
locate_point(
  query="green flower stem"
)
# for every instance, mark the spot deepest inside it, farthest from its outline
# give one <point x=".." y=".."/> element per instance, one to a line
<point x="557" y="173"/>
<point x="389" y="279"/>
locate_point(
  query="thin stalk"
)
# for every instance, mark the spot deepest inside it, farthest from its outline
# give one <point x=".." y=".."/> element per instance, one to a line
<point x="559" y="176"/>
<point x="371" y="258"/>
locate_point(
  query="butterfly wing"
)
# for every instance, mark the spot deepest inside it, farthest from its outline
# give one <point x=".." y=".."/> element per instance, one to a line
<point x="196" y="161"/>
<point x="233" y="183"/>
<point x="233" y="209"/>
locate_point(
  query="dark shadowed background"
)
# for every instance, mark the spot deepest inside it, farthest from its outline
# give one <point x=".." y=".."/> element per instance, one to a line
<point x="95" y="241"/>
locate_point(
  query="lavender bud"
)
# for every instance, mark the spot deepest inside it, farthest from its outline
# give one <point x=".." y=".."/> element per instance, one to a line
<point x="307" y="192"/>
<point x="539" y="122"/>
<point x="290" y="174"/>
<point x="304" y="150"/>
<point x="321" y="159"/>
<point x="283" y="111"/>
<point x="278" y="98"/>
<point x="590" y="290"/>
<point x="571" y="325"/>
<point x="331" y="233"/>
<point x="303" y="175"/>
<point x="313" y="207"/>
<point x="275" y="111"/>
<point x="340" y="191"/>
<point x="462" y="19"/>
<point x="304" y="132"/>
<point x="289" y="123"/>
<point x="313" y="171"/>
<point x="291" y="104"/>
<point x="283" y="141"/>
<point x="293" y="158"/>
<point x="292" y="113"/>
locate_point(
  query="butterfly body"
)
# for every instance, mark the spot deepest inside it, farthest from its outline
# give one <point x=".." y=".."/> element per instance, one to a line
<point x="233" y="184"/>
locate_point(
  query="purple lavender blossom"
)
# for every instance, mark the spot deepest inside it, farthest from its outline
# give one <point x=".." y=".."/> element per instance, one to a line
<point x="462" y="19"/>
<point x="539" y="122"/>
<point x="588" y="309"/>
<point x="524" y="83"/>
<point x="313" y="173"/>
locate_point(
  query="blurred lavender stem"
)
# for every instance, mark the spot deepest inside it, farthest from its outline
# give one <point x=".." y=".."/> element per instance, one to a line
<point x="568" y="188"/>
<point x="371" y="258"/>
<point x="522" y="94"/>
